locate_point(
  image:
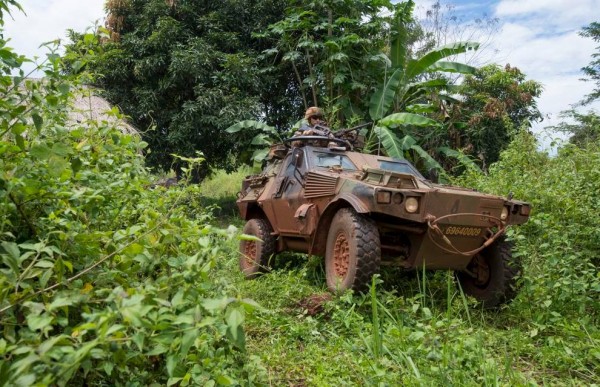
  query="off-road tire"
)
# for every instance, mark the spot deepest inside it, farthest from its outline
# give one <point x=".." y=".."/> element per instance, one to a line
<point x="504" y="270"/>
<point x="255" y="255"/>
<point x="353" y="252"/>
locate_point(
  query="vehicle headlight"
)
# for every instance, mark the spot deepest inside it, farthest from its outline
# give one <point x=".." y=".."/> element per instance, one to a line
<point x="504" y="214"/>
<point x="384" y="197"/>
<point x="411" y="205"/>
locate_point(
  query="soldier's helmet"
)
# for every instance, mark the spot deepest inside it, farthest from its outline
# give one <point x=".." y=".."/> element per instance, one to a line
<point x="313" y="112"/>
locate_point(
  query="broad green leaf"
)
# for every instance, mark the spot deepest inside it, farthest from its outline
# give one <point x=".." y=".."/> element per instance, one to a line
<point x="461" y="157"/>
<point x="57" y="166"/>
<point x="260" y="154"/>
<point x="435" y="84"/>
<point x="40" y="151"/>
<point x="420" y="65"/>
<point x="382" y="99"/>
<point x="451" y="67"/>
<point x="51" y="342"/>
<point x="173" y="381"/>
<point x="214" y="304"/>
<point x="12" y="249"/>
<point x="261" y="139"/>
<point x="138" y="339"/>
<point x="20" y="141"/>
<point x="398" y="49"/>
<point x="177" y="298"/>
<point x="60" y="302"/>
<point x="172" y="361"/>
<point x="64" y="88"/>
<point x="188" y="340"/>
<point x="430" y="162"/>
<point x="157" y="350"/>
<point x="391" y="143"/>
<point x="44" y="264"/>
<point x="38" y="121"/>
<point x="235" y="319"/>
<point x="38" y="322"/>
<point x="225" y="380"/>
<point x="251" y="124"/>
<point x="398" y="119"/>
<point x="61" y="149"/>
<point x="76" y="164"/>
<point x="108" y="367"/>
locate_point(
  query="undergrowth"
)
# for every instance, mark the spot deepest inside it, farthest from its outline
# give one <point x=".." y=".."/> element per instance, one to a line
<point x="418" y="328"/>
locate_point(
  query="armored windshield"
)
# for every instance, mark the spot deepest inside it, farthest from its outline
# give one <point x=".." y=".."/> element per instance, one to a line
<point x="328" y="160"/>
<point x="398" y="166"/>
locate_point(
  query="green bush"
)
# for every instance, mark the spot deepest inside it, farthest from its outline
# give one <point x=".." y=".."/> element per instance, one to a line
<point x="102" y="280"/>
<point x="560" y="246"/>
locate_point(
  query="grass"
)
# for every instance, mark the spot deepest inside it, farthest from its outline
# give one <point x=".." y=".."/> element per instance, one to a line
<point x="411" y="329"/>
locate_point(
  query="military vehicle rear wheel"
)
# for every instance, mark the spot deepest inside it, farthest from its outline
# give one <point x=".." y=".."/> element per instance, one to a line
<point x="255" y="255"/>
<point x="491" y="276"/>
<point x="353" y="251"/>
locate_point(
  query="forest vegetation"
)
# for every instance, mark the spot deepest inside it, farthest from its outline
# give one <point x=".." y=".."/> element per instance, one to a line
<point x="108" y="279"/>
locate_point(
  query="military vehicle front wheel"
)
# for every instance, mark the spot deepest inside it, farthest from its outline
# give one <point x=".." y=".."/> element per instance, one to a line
<point x="255" y="255"/>
<point x="491" y="276"/>
<point x="353" y="251"/>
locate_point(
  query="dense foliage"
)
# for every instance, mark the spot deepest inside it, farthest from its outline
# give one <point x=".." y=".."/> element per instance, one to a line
<point x="497" y="104"/>
<point x="102" y="280"/>
<point x="184" y="71"/>
<point x="107" y="281"/>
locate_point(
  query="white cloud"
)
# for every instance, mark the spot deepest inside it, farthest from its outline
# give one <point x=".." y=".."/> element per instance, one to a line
<point x="563" y="13"/>
<point x="541" y="39"/>
<point x="543" y="56"/>
<point x="47" y="20"/>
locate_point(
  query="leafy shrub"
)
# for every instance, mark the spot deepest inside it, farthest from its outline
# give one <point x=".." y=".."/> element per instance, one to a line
<point x="560" y="246"/>
<point x="102" y="280"/>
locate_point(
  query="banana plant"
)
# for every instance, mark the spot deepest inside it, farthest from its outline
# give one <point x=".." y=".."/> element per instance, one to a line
<point x="406" y="88"/>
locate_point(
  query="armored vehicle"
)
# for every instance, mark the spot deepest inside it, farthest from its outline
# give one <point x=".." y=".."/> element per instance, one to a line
<point x="362" y="211"/>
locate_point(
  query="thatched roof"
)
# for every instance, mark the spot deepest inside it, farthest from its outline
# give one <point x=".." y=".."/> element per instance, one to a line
<point x="88" y="106"/>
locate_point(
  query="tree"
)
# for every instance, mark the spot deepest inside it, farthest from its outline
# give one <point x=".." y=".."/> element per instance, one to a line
<point x="592" y="70"/>
<point x="183" y="71"/>
<point x="334" y="49"/>
<point x="377" y="75"/>
<point x="584" y="128"/>
<point x="417" y="90"/>
<point x="495" y="104"/>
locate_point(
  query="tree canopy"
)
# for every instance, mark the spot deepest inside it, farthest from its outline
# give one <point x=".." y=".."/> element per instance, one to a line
<point x="185" y="71"/>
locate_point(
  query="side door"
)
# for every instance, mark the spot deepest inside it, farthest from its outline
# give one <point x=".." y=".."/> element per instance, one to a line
<point x="287" y="201"/>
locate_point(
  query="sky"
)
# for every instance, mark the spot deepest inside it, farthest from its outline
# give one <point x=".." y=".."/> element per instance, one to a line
<point x="537" y="36"/>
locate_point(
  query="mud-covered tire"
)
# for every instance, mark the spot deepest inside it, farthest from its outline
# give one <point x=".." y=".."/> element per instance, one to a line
<point x="255" y="255"/>
<point x="499" y="285"/>
<point x="353" y="252"/>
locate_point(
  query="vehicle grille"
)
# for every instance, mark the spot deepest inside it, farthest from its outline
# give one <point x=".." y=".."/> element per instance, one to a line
<point x="318" y="185"/>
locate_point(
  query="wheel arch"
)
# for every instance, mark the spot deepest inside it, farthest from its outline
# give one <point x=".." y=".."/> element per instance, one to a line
<point x="320" y="236"/>
<point x="251" y="210"/>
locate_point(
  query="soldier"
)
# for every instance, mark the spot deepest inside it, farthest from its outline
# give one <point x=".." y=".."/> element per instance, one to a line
<point x="315" y="126"/>
<point x="314" y="118"/>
